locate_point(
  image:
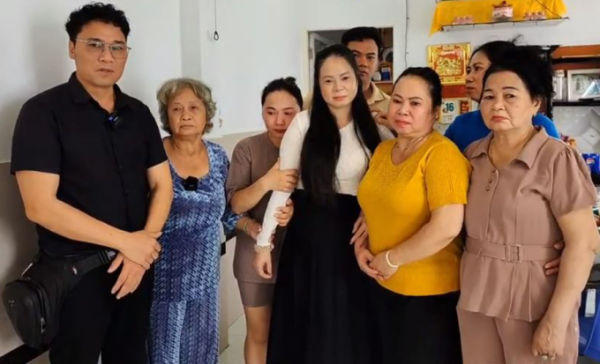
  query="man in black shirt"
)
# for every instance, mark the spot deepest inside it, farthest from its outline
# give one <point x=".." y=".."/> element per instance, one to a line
<point x="92" y="173"/>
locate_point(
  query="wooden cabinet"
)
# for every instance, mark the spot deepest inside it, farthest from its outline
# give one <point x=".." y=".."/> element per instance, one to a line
<point x="574" y="67"/>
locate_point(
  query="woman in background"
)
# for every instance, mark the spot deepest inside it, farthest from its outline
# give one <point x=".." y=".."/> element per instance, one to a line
<point x="470" y="127"/>
<point x="253" y="174"/>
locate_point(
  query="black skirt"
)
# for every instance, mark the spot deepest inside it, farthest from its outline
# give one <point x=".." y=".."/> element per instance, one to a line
<point x="414" y="329"/>
<point x="320" y="307"/>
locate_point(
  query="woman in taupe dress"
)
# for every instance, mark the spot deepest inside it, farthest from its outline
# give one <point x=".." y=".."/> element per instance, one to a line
<point x="527" y="192"/>
<point x="253" y="174"/>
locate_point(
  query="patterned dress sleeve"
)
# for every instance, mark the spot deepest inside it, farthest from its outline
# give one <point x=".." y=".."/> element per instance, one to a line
<point x="229" y="218"/>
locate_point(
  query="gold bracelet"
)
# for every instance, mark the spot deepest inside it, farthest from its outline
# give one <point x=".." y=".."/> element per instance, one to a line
<point x="387" y="260"/>
<point x="263" y="248"/>
<point x="246" y="225"/>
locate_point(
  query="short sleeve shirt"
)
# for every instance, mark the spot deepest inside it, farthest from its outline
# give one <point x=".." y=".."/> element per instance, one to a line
<point x="101" y="158"/>
<point x="511" y="225"/>
<point x="252" y="158"/>
<point x="398" y="200"/>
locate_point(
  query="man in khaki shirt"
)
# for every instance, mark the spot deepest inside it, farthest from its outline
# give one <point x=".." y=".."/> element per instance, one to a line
<point x="366" y="44"/>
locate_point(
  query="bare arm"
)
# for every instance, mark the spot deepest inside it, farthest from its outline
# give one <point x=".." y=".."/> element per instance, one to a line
<point x="246" y="198"/>
<point x="581" y="243"/>
<point x="275" y="179"/>
<point x="161" y="196"/>
<point x="38" y="192"/>
<point x="444" y="225"/>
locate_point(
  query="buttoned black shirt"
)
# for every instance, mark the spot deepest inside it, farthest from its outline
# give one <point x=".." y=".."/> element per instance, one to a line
<point x="101" y="158"/>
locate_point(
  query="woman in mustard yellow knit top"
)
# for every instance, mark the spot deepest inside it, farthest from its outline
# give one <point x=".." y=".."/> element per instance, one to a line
<point x="413" y="198"/>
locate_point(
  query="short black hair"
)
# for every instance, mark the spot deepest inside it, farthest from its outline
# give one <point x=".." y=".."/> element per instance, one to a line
<point x="431" y="78"/>
<point x="529" y="64"/>
<point x="101" y="12"/>
<point x="361" y="33"/>
<point x="495" y="50"/>
<point x="287" y="84"/>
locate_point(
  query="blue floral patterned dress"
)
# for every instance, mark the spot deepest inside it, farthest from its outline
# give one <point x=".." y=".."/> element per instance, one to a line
<point x="184" y="315"/>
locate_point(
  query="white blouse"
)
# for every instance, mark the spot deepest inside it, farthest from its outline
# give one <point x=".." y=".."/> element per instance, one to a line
<point x="351" y="166"/>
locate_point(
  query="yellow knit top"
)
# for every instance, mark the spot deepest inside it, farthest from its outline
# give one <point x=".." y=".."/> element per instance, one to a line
<point x="397" y="201"/>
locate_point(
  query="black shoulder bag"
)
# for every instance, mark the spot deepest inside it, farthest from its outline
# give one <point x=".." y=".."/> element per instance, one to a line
<point x="33" y="301"/>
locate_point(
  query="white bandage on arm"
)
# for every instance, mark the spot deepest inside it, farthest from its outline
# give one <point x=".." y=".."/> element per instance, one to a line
<point x="289" y="158"/>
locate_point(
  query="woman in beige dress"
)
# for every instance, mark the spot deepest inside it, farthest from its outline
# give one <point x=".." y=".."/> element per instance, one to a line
<point x="527" y="192"/>
<point x="253" y="174"/>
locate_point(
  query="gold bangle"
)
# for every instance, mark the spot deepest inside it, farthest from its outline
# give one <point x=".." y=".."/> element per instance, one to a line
<point x="246" y="225"/>
<point x="389" y="263"/>
<point x="263" y="248"/>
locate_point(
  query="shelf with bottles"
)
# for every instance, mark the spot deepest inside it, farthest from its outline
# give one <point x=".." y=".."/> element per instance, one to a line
<point x="576" y="79"/>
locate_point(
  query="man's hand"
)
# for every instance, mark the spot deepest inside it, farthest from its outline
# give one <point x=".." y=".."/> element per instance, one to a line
<point x="360" y="231"/>
<point x="141" y="247"/>
<point x="130" y="277"/>
<point x="380" y="116"/>
<point x="552" y="266"/>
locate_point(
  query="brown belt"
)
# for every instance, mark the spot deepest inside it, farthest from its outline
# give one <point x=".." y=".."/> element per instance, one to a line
<point x="510" y="252"/>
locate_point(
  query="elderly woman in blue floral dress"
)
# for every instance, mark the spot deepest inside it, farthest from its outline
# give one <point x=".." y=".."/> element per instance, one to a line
<point x="184" y="314"/>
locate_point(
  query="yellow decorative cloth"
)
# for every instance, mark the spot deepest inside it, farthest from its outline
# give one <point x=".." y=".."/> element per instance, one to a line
<point x="481" y="10"/>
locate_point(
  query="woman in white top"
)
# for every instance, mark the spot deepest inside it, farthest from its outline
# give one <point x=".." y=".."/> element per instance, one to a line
<point x="319" y="303"/>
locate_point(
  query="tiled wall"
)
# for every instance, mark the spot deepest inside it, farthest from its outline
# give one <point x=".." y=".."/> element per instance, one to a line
<point x="581" y="123"/>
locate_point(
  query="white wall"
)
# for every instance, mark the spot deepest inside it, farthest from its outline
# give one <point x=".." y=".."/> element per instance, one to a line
<point x="265" y="39"/>
<point x="35" y="54"/>
<point x="258" y="42"/>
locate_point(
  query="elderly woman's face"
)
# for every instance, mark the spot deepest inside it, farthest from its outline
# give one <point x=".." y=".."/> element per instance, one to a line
<point x="187" y="114"/>
<point x="506" y="103"/>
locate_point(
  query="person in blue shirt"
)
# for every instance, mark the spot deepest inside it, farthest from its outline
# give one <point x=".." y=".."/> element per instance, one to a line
<point x="469" y="127"/>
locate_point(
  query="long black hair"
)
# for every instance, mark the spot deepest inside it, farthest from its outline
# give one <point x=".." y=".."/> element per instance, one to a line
<point x="321" y="148"/>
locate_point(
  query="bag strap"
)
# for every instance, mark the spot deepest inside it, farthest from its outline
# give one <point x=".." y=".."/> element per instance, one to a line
<point x="92" y="262"/>
<point x="594" y="279"/>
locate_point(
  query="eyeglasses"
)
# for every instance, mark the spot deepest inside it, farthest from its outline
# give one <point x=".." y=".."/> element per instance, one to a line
<point x="97" y="46"/>
<point x="190" y="183"/>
